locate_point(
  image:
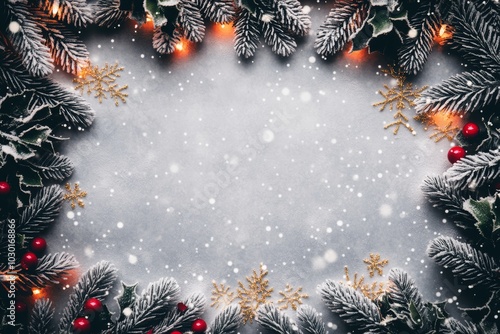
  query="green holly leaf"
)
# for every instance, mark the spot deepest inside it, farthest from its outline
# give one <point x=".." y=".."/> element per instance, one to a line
<point x="381" y="22"/>
<point x="156" y="11"/>
<point x="18" y="151"/>
<point x="35" y="135"/>
<point x="29" y="178"/>
<point x="415" y="316"/>
<point x="496" y="213"/>
<point x="20" y="239"/>
<point x="127" y="297"/>
<point x="362" y="38"/>
<point x="390" y="4"/>
<point x="482" y="212"/>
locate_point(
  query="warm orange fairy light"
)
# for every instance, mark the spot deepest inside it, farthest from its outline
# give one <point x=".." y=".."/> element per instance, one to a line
<point x="55" y="8"/>
<point x="36" y="292"/>
<point x="445" y="33"/>
<point x="442" y="120"/>
<point x="148" y="18"/>
<point x="358" y="55"/>
<point x="223" y="30"/>
<point x="179" y="46"/>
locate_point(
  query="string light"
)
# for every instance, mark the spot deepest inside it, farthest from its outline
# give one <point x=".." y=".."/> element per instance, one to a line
<point x="444" y="34"/>
<point x="179" y="46"/>
<point x="55" y="7"/>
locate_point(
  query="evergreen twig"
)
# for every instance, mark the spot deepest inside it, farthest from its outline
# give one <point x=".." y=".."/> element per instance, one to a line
<point x="95" y="283"/>
<point x="51" y="269"/>
<point x="468" y="264"/>
<point x="41" y="317"/>
<point x="227" y="321"/>
<point x="175" y="320"/>
<point x="310" y="321"/>
<point x="474" y="171"/>
<point x="274" y="321"/>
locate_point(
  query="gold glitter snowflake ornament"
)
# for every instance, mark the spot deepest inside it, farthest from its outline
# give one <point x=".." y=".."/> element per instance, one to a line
<point x="291" y="298"/>
<point x="375" y="264"/>
<point x="101" y="81"/>
<point x="254" y="293"/>
<point x="221" y="295"/>
<point x="74" y="196"/>
<point x="399" y="97"/>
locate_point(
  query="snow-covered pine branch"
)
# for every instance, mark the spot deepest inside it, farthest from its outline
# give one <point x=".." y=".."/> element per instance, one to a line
<point x="276" y="322"/>
<point x="95" y="283"/>
<point x="246" y="34"/>
<point x="53" y="166"/>
<point x="77" y="13"/>
<point x="175" y="320"/>
<point x="220" y="11"/>
<point x="191" y="21"/>
<point x="41" y="317"/>
<point x="310" y="321"/>
<point x="345" y="19"/>
<point x="466" y="263"/>
<point x="455" y="327"/>
<point x="444" y="195"/>
<point x="51" y="269"/>
<point x="354" y="308"/>
<point x="414" y="52"/>
<point x="27" y="39"/>
<point x="150" y="307"/>
<point x="107" y="13"/>
<point x="475" y="38"/>
<point x="227" y="321"/>
<point x="474" y="171"/>
<point x="462" y="93"/>
<point x="278" y="38"/>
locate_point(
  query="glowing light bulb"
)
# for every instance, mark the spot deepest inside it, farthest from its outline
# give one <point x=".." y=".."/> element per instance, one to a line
<point x="55" y="7"/>
<point x="36" y="292"/>
<point x="179" y="46"/>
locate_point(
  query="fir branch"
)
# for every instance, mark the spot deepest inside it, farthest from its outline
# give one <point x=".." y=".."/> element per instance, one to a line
<point x="403" y="293"/>
<point x="290" y="15"/>
<point x="28" y="42"/>
<point x="274" y="321"/>
<point x="474" y="171"/>
<point x="163" y="42"/>
<point x="281" y="42"/>
<point x="310" y="321"/>
<point x="51" y="269"/>
<point x="227" y="321"/>
<point x="95" y="283"/>
<point x="191" y="21"/>
<point x="107" y="13"/>
<point x="41" y="317"/>
<point x="41" y="211"/>
<point x="446" y="196"/>
<point x="73" y="108"/>
<point x="345" y="19"/>
<point x="465" y="262"/>
<point x="465" y="92"/>
<point x="455" y="327"/>
<point x="475" y="38"/>
<point x="414" y="52"/>
<point x="246" y="34"/>
<point x="354" y="308"/>
<point x="67" y="50"/>
<point x="74" y="12"/>
<point x="220" y="11"/>
<point x="150" y="307"/>
<point x="176" y="320"/>
<point x="53" y="166"/>
<point x="490" y="11"/>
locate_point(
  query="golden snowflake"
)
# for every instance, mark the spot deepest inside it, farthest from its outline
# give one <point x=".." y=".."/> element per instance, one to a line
<point x="255" y="293"/>
<point x="291" y="298"/>
<point x="101" y="81"/>
<point x="375" y="264"/>
<point x="446" y="126"/>
<point x="399" y="97"/>
<point x="74" y="196"/>
<point x="369" y="290"/>
<point x="221" y="295"/>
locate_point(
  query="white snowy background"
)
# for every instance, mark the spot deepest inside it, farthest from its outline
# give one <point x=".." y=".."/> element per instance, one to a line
<point x="215" y="165"/>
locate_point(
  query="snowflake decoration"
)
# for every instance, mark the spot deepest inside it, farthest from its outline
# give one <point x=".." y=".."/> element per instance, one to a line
<point x="399" y="97"/>
<point x="256" y="293"/>
<point x="221" y="295"/>
<point x="101" y="81"/>
<point x="374" y="263"/>
<point x="446" y="127"/>
<point x="291" y="298"/>
<point x="449" y="132"/>
<point x="371" y="291"/>
<point x="74" y="196"/>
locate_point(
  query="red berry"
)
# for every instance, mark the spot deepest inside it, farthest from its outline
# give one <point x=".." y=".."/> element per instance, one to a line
<point x="92" y="305"/>
<point x="470" y="130"/>
<point x="29" y="261"/>
<point x="199" y="326"/>
<point x="455" y="153"/>
<point x="38" y="245"/>
<point x="4" y="188"/>
<point x="21" y="308"/>
<point x="149" y="331"/>
<point x="497" y="186"/>
<point x="176" y="332"/>
<point x="81" y="325"/>
<point x="182" y="307"/>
